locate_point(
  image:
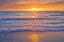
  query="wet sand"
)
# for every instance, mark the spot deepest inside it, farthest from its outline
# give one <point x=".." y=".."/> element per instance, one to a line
<point x="32" y="37"/>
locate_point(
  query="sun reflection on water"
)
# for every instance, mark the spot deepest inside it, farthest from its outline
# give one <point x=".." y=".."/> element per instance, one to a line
<point x="33" y="37"/>
<point x="33" y="14"/>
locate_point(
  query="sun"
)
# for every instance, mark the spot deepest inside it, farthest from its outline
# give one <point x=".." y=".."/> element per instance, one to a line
<point x="32" y="16"/>
<point x="34" y="9"/>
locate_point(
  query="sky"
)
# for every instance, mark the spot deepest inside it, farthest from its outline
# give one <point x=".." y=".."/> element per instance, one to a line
<point x="21" y="5"/>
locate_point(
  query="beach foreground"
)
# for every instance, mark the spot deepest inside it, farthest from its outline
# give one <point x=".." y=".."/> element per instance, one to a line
<point x="32" y="37"/>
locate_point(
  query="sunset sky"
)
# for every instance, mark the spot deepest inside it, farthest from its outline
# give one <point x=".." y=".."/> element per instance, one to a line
<point x="26" y="5"/>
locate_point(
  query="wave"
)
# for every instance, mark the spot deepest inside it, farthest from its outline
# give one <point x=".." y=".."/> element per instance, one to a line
<point x="32" y="29"/>
<point x="29" y="19"/>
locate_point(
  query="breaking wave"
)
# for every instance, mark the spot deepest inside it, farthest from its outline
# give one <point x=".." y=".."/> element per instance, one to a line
<point x="32" y="29"/>
<point x="28" y="19"/>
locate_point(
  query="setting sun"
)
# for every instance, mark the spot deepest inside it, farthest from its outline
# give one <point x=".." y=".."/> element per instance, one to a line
<point x="36" y="9"/>
<point x="32" y="16"/>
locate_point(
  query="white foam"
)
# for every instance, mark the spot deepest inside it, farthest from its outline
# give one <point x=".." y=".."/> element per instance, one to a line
<point x="37" y="29"/>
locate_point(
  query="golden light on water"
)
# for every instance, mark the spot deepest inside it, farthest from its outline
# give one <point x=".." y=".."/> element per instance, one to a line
<point x="33" y="37"/>
<point x="33" y="14"/>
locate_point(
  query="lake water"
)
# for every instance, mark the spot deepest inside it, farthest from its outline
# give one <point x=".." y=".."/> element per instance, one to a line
<point x="32" y="26"/>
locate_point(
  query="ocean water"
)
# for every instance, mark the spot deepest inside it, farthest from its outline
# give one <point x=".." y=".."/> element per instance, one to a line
<point x="32" y="26"/>
<point x="31" y="21"/>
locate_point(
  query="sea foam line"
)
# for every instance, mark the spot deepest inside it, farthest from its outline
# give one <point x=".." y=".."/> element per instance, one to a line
<point x="33" y="29"/>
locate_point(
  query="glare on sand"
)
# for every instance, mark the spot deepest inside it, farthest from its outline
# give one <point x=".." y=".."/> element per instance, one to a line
<point x="33" y="37"/>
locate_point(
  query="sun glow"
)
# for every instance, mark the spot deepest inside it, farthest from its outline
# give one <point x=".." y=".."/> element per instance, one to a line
<point x="32" y="16"/>
<point x="36" y="9"/>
